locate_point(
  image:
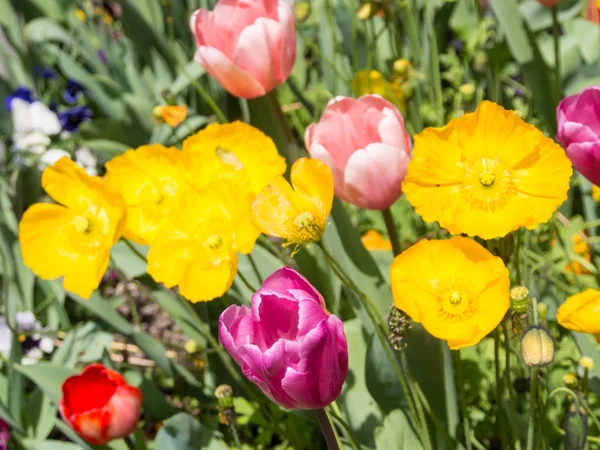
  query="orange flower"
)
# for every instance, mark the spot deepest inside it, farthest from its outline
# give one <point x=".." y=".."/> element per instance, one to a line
<point x="173" y="115"/>
<point x="372" y="240"/>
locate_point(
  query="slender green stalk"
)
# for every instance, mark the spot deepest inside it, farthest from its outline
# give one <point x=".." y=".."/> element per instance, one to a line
<point x="390" y="225"/>
<point x="518" y="256"/>
<point x="336" y="414"/>
<point x="327" y="429"/>
<point x="532" y="408"/>
<point x="236" y="436"/>
<point x="255" y="268"/>
<point x="246" y="282"/>
<point x="450" y="441"/>
<point x="436" y="77"/>
<point x="508" y="384"/>
<point x="208" y="99"/>
<point x="412" y="30"/>
<point x="499" y="389"/>
<point x="462" y="400"/>
<point x="292" y="154"/>
<point x="130" y="443"/>
<point x="245" y="110"/>
<point x="556" y="33"/>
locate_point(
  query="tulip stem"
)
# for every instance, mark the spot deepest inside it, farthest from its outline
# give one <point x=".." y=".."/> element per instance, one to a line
<point x="462" y="400"/>
<point x="327" y="429"/>
<point x="390" y="225"/>
<point x="130" y="444"/>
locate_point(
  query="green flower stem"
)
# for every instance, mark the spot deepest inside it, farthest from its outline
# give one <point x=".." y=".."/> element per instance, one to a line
<point x="245" y="281"/>
<point x="462" y="400"/>
<point x="207" y="98"/>
<point x="556" y="33"/>
<point x="388" y="218"/>
<point x="379" y="326"/>
<point x="130" y="444"/>
<point x="337" y="415"/>
<point x="532" y="384"/>
<point x="511" y="395"/>
<point x="412" y="30"/>
<point x="327" y="429"/>
<point x="499" y="389"/>
<point x="255" y="268"/>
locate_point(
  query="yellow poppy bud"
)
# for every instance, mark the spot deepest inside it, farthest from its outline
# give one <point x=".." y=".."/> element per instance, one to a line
<point x="587" y="363"/>
<point x="172" y="115"/>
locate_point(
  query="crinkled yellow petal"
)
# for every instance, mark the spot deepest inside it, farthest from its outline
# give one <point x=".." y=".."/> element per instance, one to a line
<point x="150" y="180"/>
<point x="206" y="280"/>
<point x="486" y="174"/>
<point x="168" y="257"/>
<point x="246" y="235"/>
<point x="45" y="236"/>
<point x="313" y="179"/>
<point x="273" y="209"/>
<point x="87" y="273"/>
<point x="581" y="312"/>
<point x="240" y="147"/>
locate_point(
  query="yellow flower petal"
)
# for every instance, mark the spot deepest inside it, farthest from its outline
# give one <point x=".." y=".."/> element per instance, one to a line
<point x="372" y="240"/>
<point x="486" y="174"/>
<point x="238" y="146"/>
<point x="313" y="179"/>
<point x="204" y="282"/>
<point x="581" y="312"/>
<point x="455" y="288"/>
<point x="173" y="115"/>
<point x="151" y="180"/>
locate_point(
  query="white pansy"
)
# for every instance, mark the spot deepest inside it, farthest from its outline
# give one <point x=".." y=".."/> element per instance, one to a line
<point x="87" y="160"/>
<point x="33" y="123"/>
<point x="52" y="155"/>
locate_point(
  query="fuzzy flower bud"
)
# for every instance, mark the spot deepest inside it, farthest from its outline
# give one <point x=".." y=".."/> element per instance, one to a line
<point x="570" y="380"/>
<point x="587" y="363"/>
<point x="519" y="299"/>
<point x="537" y="347"/>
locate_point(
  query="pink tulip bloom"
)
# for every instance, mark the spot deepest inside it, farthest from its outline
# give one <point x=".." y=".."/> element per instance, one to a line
<point x="578" y="119"/>
<point x="288" y="344"/>
<point x="367" y="148"/>
<point x="249" y="46"/>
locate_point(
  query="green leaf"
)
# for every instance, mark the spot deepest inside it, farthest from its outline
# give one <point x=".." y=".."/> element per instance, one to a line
<point x="153" y="401"/>
<point x="154" y="350"/>
<point x="10" y="21"/>
<point x="588" y="348"/>
<point x="539" y="17"/>
<point x="44" y="29"/>
<point x="181" y="432"/>
<point x="31" y="444"/>
<point x="587" y="34"/>
<point x="508" y="14"/>
<point x="127" y="261"/>
<point x="396" y="433"/>
<point x="103" y="309"/>
<point x="109" y="149"/>
<point x="47" y="376"/>
<point x="191" y="72"/>
<point x="189" y="126"/>
<point x="9" y="419"/>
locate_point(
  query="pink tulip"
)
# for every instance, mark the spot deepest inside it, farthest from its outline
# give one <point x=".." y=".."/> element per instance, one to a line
<point x="367" y="148"/>
<point x="578" y="119"/>
<point x="288" y="344"/>
<point x="249" y="46"/>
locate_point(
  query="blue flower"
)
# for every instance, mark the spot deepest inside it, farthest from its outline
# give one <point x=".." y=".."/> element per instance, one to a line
<point x="23" y="93"/>
<point x="73" y="88"/>
<point x="45" y="72"/>
<point x="72" y="118"/>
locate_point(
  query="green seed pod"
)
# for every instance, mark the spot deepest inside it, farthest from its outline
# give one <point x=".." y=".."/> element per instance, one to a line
<point x="537" y="347"/>
<point x="399" y="325"/>
<point x="224" y="394"/>
<point x="576" y="429"/>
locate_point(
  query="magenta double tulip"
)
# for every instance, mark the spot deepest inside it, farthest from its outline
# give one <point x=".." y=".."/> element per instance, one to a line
<point x="288" y="344"/>
<point x="578" y="119"/>
<point x="367" y="148"/>
<point x="249" y="46"/>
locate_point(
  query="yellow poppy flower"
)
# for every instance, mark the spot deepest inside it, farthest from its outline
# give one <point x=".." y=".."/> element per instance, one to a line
<point x="198" y="251"/>
<point x="456" y="288"/>
<point x="596" y="193"/>
<point x="222" y="149"/>
<point x="373" y="82"/>
<point x="297" y="214"/>
<point x="72" y="239"/>
<point x="173" y="115"/>
<point x="372" y="240"/>
<point x="151" y="179"/>
<point x="486" y="174"/>
<point x="581" y="312"/>
<point x="581" y="248"/>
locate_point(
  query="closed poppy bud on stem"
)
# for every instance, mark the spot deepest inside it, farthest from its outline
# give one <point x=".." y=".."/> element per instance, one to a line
<point x="99" y="405"/>
<point x="576" y="429"/>
<point x="537" y="347"/>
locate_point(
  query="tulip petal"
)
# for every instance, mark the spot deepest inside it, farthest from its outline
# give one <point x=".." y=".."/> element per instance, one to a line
<point x="585" y="157"/>
<point x="313" y="385"/>
<point x="91" y="424"/>
<point x="310" y="315"/>
<point x="286" y="279"/>
<point x="236" y="327"/>
<point x="236" y="81"/>
<point x="277" y="317"/>
<point x="258" y="52"/>
<point x="288" y="36"/>
<point x="368" y="181"/>
<point x="124" y="411"/>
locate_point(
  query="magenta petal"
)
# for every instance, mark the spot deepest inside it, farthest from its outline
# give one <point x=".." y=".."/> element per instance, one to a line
<point x="310" y="316"/>
<point x="276" y="317"/>
<point x="586" y="159"/>
<point x="288" y="280"/>
<point x="235" y="327"/>
<point x="323" y="368"/>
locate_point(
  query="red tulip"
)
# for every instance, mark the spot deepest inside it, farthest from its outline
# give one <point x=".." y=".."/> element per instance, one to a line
<point x="549" y="3"/>
<point x="99" y="405"/>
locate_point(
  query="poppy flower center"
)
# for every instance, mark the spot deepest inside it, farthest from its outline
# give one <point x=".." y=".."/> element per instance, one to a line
<point x="487" y="178"/>
<point x="304" y="220"/>
<point x="214" y="242"/>
<point x="83" y="224"/>
<point x="455" y="297"/>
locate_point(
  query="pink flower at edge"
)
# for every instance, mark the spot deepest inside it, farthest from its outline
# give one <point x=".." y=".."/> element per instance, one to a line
<point x="288" y="344"/>
<point x="578" y="118"/>
<point x="367" y="148"/>
<point x="248" y="46"/>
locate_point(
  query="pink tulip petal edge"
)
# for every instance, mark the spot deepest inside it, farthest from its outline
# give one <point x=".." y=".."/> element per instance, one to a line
<point x="578" y="118"/>
<point x="288" y="344"/>
<point x="367" y="148"/>
<point x="248" y="46"/>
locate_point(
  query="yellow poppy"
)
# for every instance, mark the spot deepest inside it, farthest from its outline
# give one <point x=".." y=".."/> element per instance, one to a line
<point x="596" y="193"/>
<point x="456" y="288"/>
<point x="72" y="239"/>
<point x="581" y="248"/>
<point x="151" y="179"/>
<point x="238" y="148"/>
<point x="173" y="115"/>
<point x="373" y="82"/>
<point x="581" y="312"/>
<point x="197" y="252"/>
<point x="297" y="214"/>
<point x="372" y="240"/>
<point x="486" y="174"/>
